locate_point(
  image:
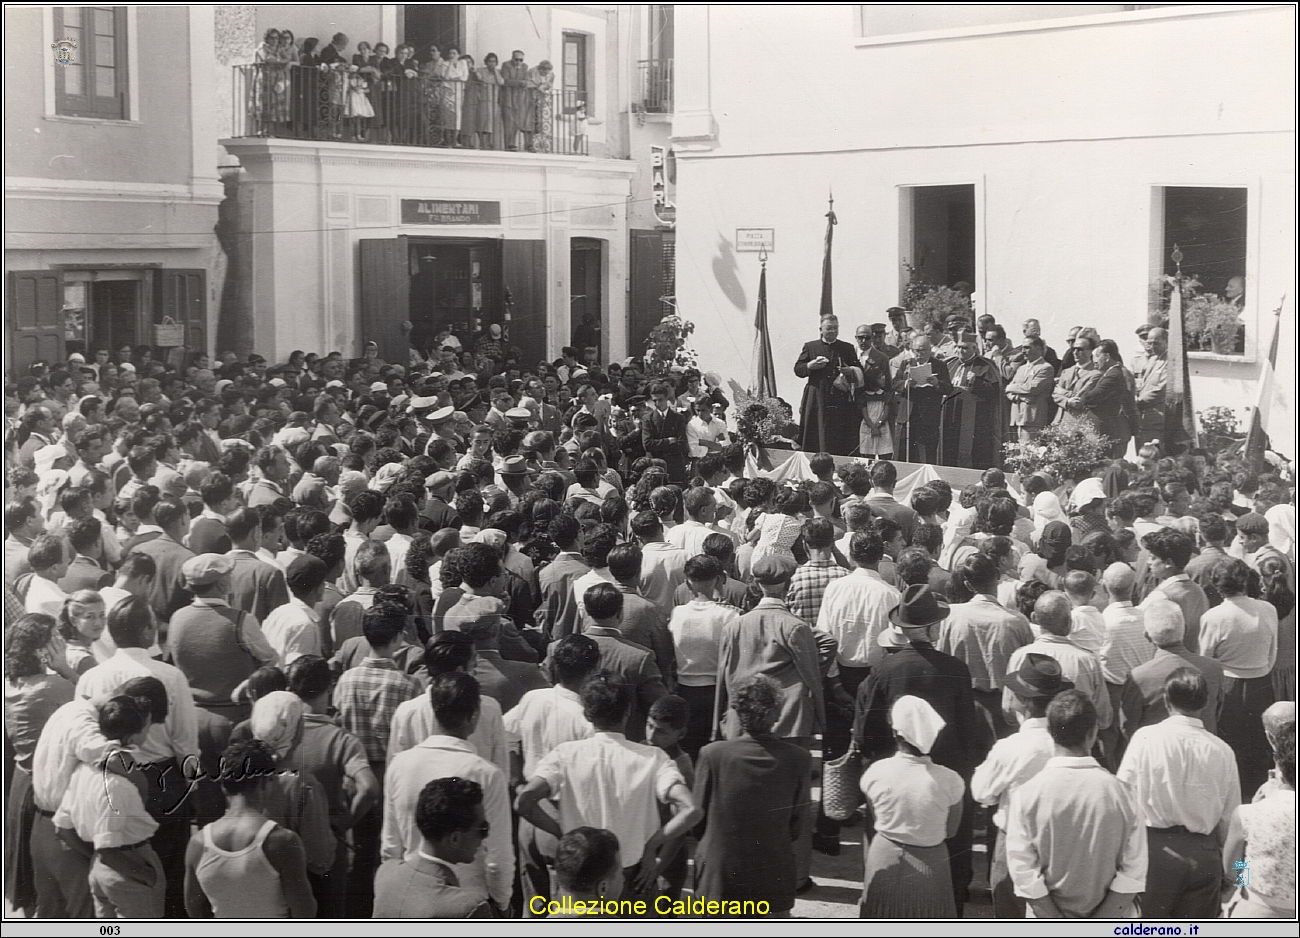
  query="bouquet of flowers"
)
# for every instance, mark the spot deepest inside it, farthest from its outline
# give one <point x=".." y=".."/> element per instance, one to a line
<point x="1068" y="452"/>
<point x="762" y="420"/>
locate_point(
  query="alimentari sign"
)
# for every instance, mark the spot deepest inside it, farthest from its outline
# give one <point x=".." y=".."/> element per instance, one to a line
<point x="448" y="212"/>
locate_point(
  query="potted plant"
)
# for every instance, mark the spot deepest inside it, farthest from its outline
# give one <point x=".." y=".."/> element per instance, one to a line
<point x="1219" y="428"/>
<point x="1069" y="452"/>
<point x="666" y="349"/>
<point x="1222" y="323"/>
<point x="936" y="305"/>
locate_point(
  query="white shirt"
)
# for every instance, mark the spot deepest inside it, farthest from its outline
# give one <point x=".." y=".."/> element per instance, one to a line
<point x="1087" y="628"/>
<point x="1010" y="763"/>
<point x="697" y="628"/>
<point x="397" y="546"/>
<point x="688" y="537"/>
<point x="292" y="631"/>
<point x="855" y="610"/>
<point x="910" y="798"/>
<point x="587" y="581"/>
<point x="44" y="596"/>
<point x="1182" y="774"/>
<point x="177" y="736"/>
<point x="414" y="722"/>
<point x="71" y="736"/>
<point x="1241" y="634"/>
<point x="348" y="582"/>
<point x="700" y="431"/>
<point x="610" y="783"/>
<point x="545" y="718"/>
<point x="104" y="808"/>
<point x="104" y="647"/>
<point x="1125" y="645"/>
<point x="492" y="871"/>
<point x="663" y="569"/>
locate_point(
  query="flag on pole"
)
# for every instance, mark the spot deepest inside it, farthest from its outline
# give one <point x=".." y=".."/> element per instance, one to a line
<point x="1180" y="419"/>
<point x="827" y="306"/>
<point x="1273" y="420"/>
<point x="764" y="382"/>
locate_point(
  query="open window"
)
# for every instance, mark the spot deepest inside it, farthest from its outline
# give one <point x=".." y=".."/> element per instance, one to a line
<point x="94" y="82"/>
<point x="938" y="236"/>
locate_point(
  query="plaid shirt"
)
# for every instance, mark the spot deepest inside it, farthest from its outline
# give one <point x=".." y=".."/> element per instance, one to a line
<point x="1083" y="525"/>
<point x="808" y="585"/>
<point x="367" y="696"/>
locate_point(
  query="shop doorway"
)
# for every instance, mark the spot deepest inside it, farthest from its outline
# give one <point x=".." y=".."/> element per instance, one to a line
<point x="586" y="296"/>
<point x="455" y="285"/>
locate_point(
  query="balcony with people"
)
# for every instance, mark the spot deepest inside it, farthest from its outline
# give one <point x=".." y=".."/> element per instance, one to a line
<point x="446" y="100"/>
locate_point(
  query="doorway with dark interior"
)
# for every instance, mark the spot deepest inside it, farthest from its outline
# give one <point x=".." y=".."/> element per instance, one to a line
<point x="434" y="25"/>
<point x="455" y="285"/>
<point x="586" y="297"/>
<point x="942" y="241"/>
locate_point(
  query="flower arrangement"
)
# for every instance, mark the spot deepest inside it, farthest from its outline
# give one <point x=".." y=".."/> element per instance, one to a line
<point x="1216" y="319"/>
<point x="1218" y="421"/>
<point x="666" y="346"/>
<point x="936" y="305"/>
<point x="1068" y="452"/>
<point x="917" y="287"/>
<point x="762" y="420"/>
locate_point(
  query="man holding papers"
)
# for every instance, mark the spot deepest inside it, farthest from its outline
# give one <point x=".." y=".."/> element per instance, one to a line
<point x="921" y="384"/>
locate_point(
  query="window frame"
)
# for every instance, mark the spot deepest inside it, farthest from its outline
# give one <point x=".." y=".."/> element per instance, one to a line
<point x="90" y="104"/>
<point x="582" y="89"/>
<point x="1250" y="268"/>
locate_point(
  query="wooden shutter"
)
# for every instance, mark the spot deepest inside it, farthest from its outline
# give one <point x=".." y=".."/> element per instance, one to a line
<point x="523" y="273"/>
<point x="182" y="295"/>
<point x="644" y="308"/>
<point x="35" y="318"/>
<point x="386" y="296"/>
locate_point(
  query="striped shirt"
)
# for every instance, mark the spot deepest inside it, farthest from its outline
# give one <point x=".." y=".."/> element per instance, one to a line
<point x="1125" y="645"/>
<point x="367" y="696"/>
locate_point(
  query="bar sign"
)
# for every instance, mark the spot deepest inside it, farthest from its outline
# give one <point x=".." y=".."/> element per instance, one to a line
<point x="449" y="212"/>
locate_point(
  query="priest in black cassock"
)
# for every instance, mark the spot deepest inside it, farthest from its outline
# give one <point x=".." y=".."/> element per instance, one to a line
<point x="828" y="418"/>
<point x="972" y="421"/>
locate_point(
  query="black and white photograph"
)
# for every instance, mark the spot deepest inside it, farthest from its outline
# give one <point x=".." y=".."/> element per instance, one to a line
<point x="708" y="463"/>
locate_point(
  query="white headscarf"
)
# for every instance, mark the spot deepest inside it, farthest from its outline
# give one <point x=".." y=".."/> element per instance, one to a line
<point x="276" y="719"/>
<point x="916" y="721"/>
<point x="1086" y="492"/>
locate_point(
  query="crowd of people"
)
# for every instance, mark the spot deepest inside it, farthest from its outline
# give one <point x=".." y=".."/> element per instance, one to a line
<point x="340" y="637"/>
<point x="954" y="391"/>
<point x="428" y="97"/>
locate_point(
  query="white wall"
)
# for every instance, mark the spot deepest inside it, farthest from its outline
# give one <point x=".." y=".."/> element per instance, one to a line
<point x="360" y="22"/>
<point x="1064" y="132"/>
<point x="312" y="202"/>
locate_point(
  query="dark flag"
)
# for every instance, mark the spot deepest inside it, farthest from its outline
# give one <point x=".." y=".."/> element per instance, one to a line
<point x="1180" y="419"/>
<point x="827" y="307"/>
<point x="764" y="382"/>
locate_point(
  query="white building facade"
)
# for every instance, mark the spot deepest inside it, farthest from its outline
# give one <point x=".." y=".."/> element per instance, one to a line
<point x="1049" y="156"/>
<point x="337" y="240"/>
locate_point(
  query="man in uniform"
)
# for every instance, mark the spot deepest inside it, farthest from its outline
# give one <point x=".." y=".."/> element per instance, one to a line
<point x="1150" y="392"/>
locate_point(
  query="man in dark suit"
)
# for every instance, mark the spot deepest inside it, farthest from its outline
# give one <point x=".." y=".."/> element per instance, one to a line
<point x="559" y="613"/>
<point x="208" y="530"/>
<point x="167" y="593"/>
<point x="919" y="669"/>
<point x="1109" y="401"/>
<point x="829" y="420"/>
<point x="644" y="622"/>
<point x="85" y="572"/>
<point x="255" y="585"/>
<point x="663" y="432"/>
<point x="920" y="402"/>
<point x="504" y="680"/>
<point x="634" y="664"/>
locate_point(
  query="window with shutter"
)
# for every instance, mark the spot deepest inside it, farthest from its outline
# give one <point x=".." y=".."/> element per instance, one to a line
<point x="93" y="84"/>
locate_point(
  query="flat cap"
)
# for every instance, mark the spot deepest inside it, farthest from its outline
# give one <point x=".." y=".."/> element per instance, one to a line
<point x="773" y="569"/>
<point x="206" y="569"/>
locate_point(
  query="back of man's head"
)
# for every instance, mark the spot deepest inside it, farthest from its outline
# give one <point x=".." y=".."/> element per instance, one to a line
<point x="1163" y="622"/>
<point x="455" y="699"/>
<point x="584" y="858"/>
<point x="573" y="659"/>
<point x="818" y="534"/>
<point x="131" y="623"/>
<point x="1052" y="612"/>
<point x="884" y="474"/>
<point x="866" y="548"/>
<point x="1119" y="580"/>
<point x="1186" y="690"/>
<point x="605" y="700"/>
<point x="1071" y="718"/>
<point x="625" y="563"/>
